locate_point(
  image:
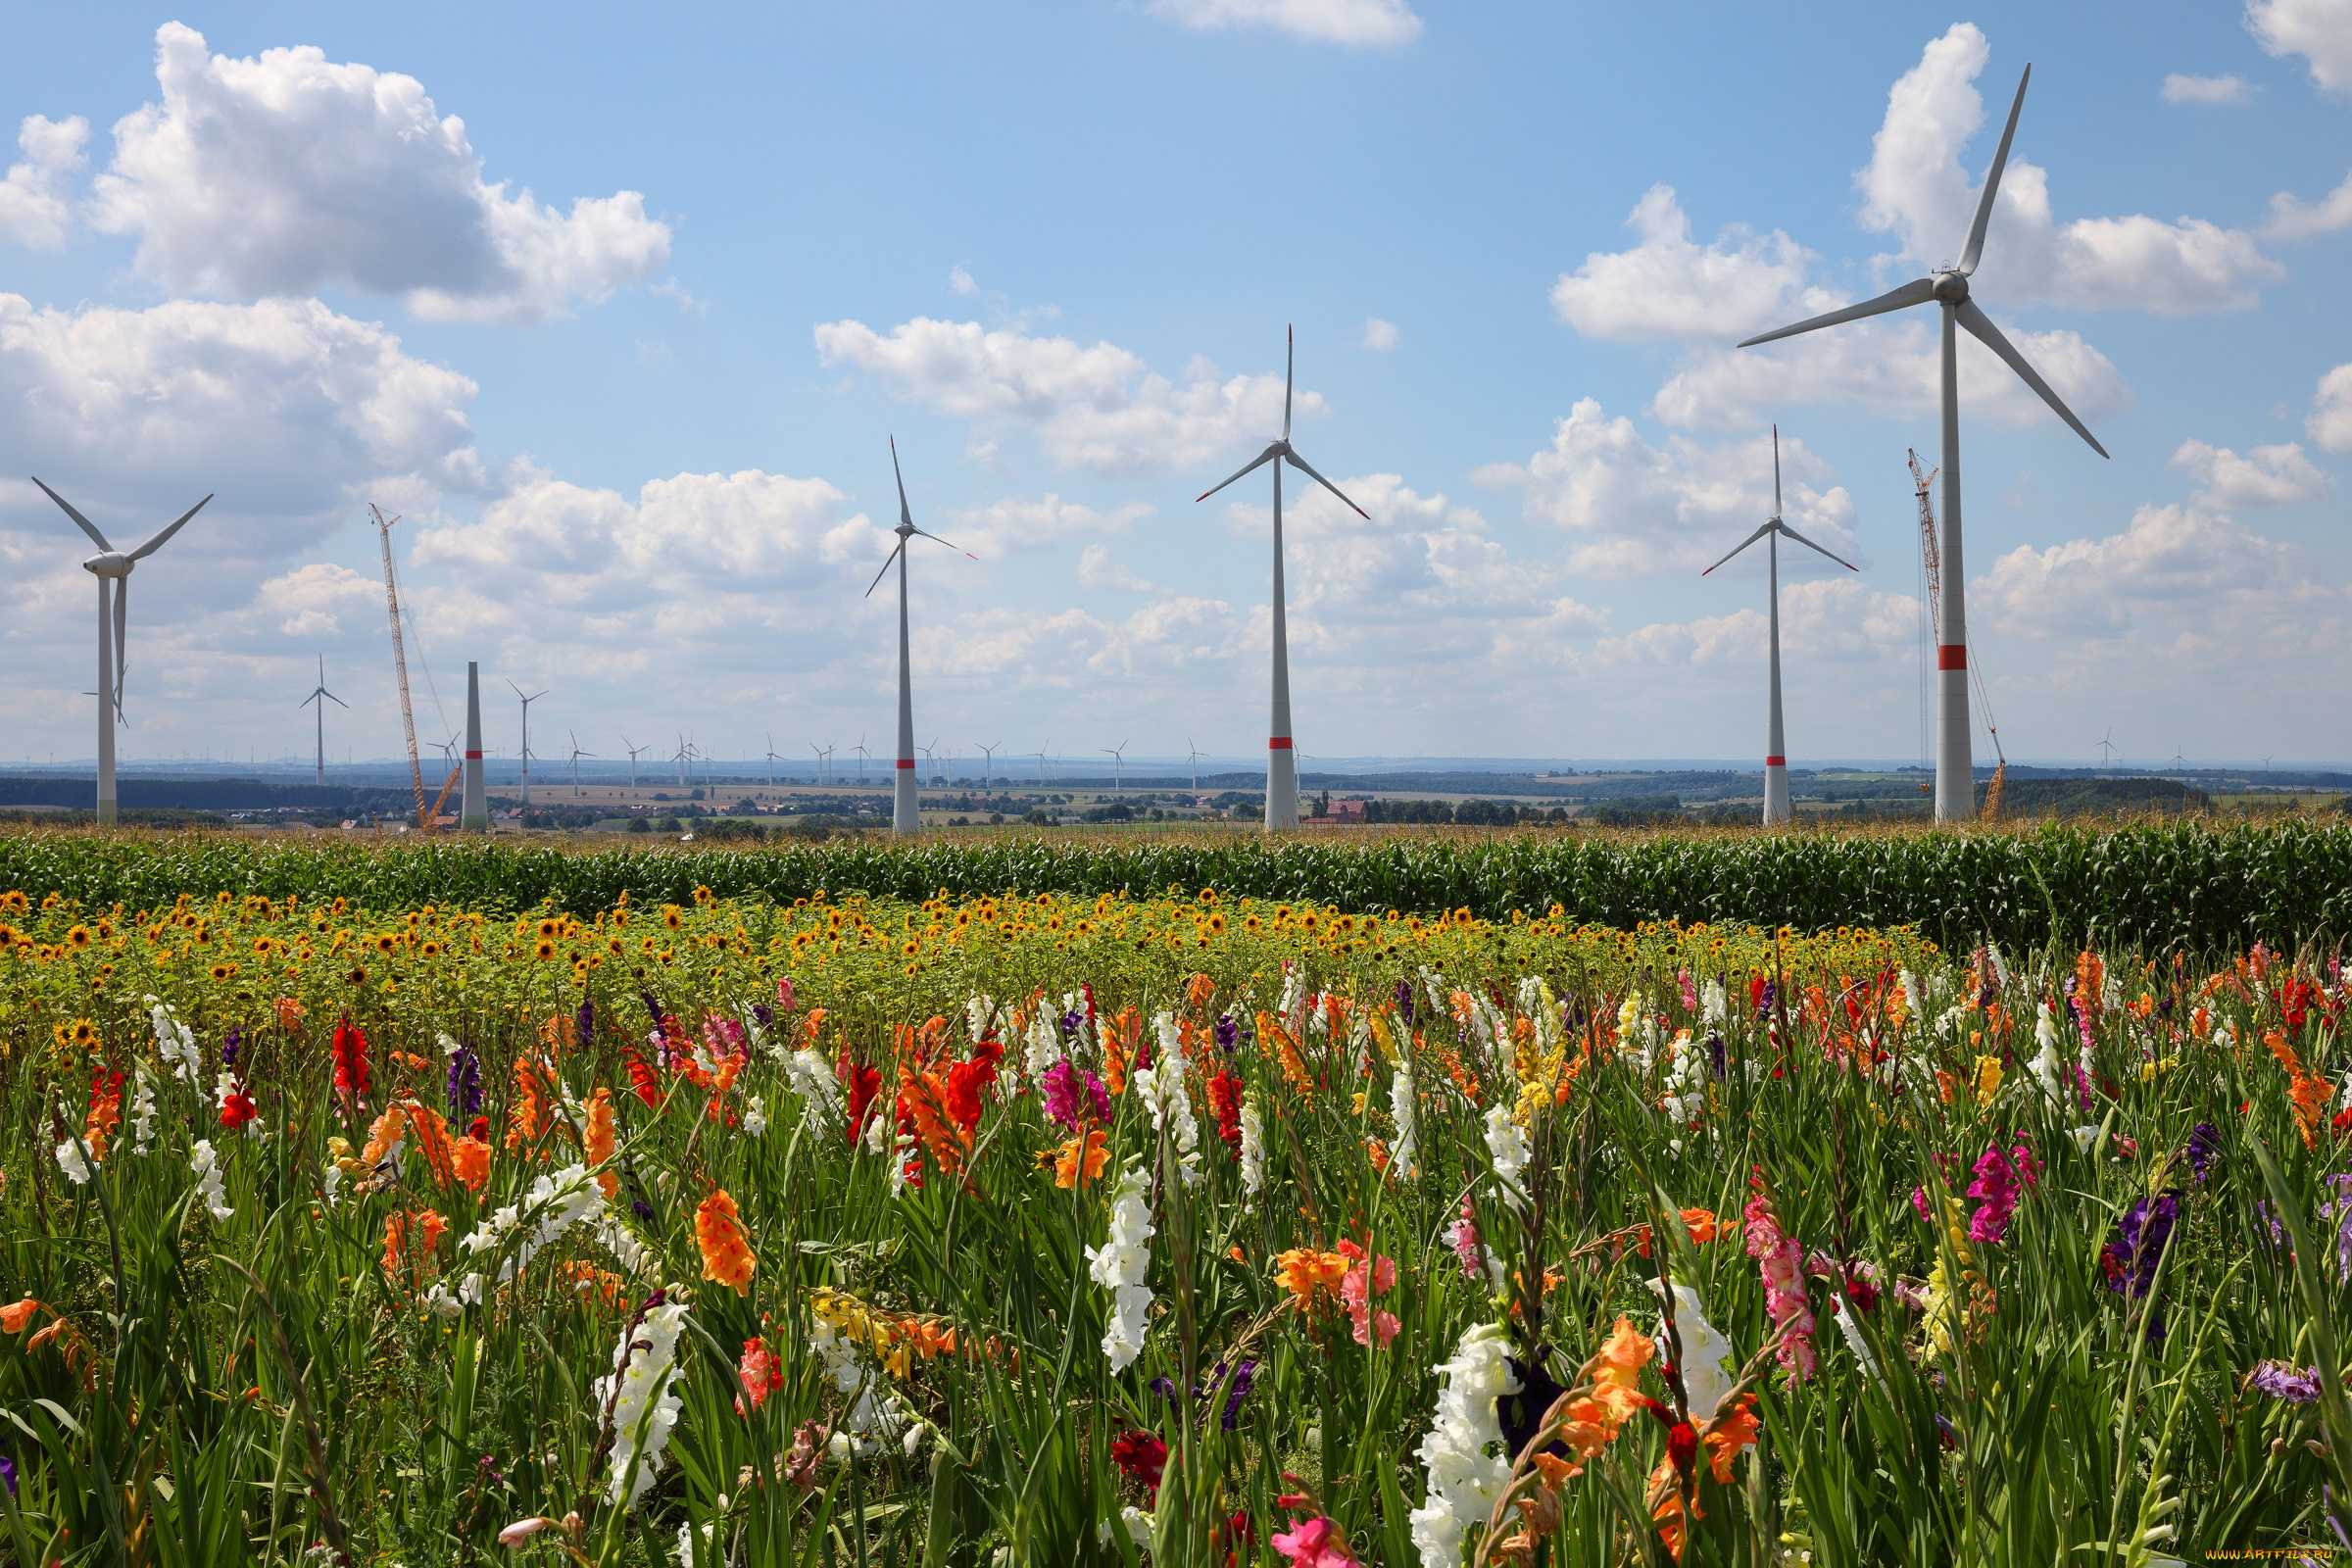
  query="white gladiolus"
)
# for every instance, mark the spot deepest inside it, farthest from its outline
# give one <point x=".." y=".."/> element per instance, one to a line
<point x="755" y="1116"/>
<point x="331" y="1182"/>
<point x="1162" y="1086"/>
<point x="1855" y="1342"/>
<point x="142" y="1110"/>
<point x="626" y="1250"/>
<point x="1294" y="998"/>
<point x="441" y="1303"/>
<point x="1714" y="1006"/>
<point x="1119" y="1265"/>
<point x="1508" y="1146"/>
<point x="71" y="1161"/>
<point x="877" y="1131"/>
<point x="686" y="1558"/>
<point x="1253" y="1150"/>
<point x="821" y="1110"/>
<point x="178" y="1044"/>
<point x="1685" y="1080"/>
<point x="206" y="1166"/>
<point x="978" y="1009"/>
<point x="2047" y="1063"/>
<point x="1464" y="1476"/>
<point x="1401" y="1112"/>
<point x="642" y="1392"/>
<point x="1709" y="1376"/>
<point x="1911" y="994"/>
<point x="553" y="1206"/>
<point x="874" y="1411"/>
<point x="1041" y="1044"/>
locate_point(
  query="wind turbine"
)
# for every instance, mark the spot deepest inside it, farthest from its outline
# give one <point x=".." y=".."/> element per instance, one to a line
<point x="989" y="751"/>
<point x="576" y="754"/>
<point x="771" y="761"/>
<point x="906" y="812"/>
<point x="1775" y="761"/>
<point x="1955" y="780"/>
<point x="2107" y="750"/>
<point x="527" y="740"/>
<point x="634" y="751"/>
<point x="1041" y="766"/>
<point x="862" y="755"/>
<point x="820" y="761"/>
<point x="1193" y="755"/>
<point x="1118" y="758"/>
<point x="321" y="695"/>
<point x="930" y="760"/>
<point x="111" y="564"/>
<point x="1282" y="768"/>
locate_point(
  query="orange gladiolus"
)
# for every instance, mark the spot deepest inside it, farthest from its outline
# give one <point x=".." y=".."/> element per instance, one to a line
<point x="1701" y="1224"/>
<point x="382" y="1134"/>
<point x="600" y="1139"/>
<point x="432" y="1141"/>
<point x="1730" y="1432"/>
<point x="1306" y="1274"/>
<point x="469" y="1159"/>
<point x="409" y="1243"/>
<point x="522" y="1121"/>
<point x="726" y="1255"/>
<point x="15" y="1314"/>
<point x="1066" y="1168"/>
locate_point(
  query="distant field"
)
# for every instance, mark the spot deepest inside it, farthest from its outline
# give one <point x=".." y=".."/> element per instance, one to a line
<point x="2159" y="884"/>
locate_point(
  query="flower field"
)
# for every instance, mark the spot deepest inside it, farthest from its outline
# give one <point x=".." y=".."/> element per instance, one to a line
<point x="1195" y="1229"/>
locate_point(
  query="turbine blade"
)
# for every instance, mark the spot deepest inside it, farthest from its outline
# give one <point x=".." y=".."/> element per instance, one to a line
<point x="1264" y="456"/>
<point x="1811" y="545"/>
<point x="1979" y="326"/>
<point x="1741" y="545"/>
<point x="1299" y="463"/>
<point x="1993" y="181"/>
<point x="157" y="543"/>
<point x="1917" y="293"/>
<point x="1290" y="359"/>
<point x="904" y="516"/>
<point x="87" y="526"/>
<point x="886" y="561"/>
<point x="337" y="701"/>
<point x="937" y="540"/>
<point x="1775" y="470"/>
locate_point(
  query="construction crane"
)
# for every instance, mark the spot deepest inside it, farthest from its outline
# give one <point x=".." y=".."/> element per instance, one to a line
<point x="1933" y="560"/>
<point x="399" y="668"/>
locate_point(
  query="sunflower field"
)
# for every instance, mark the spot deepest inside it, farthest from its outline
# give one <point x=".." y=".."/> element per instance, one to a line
<point x="1188" y="1228"/>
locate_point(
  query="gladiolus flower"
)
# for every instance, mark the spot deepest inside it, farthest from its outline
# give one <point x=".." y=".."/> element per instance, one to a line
<point x="760" y="1374"/>
<point x="726" y="1255"/>
<point x="469" y="1159"/>
<point x="599" y="1139"/>
<point x="350" y="1058"/>
<point x="15" y="1315"/>
<point x="1143" y="1455"/>
<point x="409" y="1243"/>
<point x="1316" y="1543"/>
<point x="1067" y="1172"/>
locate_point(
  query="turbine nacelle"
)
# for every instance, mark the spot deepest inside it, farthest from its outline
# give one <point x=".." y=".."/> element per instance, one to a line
<point x="110" y="564"/>
<point x="1948" y="287"/>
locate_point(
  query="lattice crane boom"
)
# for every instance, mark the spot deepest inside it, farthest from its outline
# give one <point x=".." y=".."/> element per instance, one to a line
<point x="1933" y="560"/>
<point x="400" y="669"/>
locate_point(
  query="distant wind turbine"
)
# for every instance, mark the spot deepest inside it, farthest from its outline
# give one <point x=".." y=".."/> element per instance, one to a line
<point x="1193" y="755"/>
<point x="321" y="695"/>
<point x="862" y="755"/>
<point x="112" y="566"/>
<point x="990" y="752"/>
<point x="576" y="754"/>
<point x="527" y="741"/>
<point x="771" y="761"/>
<point x="1118" y="758"/>
<point x="635" y="750"/>
<point x="906" y="812"/>
<point x="1948" y="287"/>
<point x="1775" y="761"/>
<point x="2107" y="750"/>
<point x="1282" y="768"/>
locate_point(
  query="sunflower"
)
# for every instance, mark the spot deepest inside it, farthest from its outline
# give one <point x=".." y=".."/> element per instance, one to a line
<point x="223" y="971"/>
<point x="550" y="929"/>
<point x="15" y="902"/>
<point x="263" y="946"/>
<point x="545" y="950"/>
<point x="358" y="975"/>
<point x="80" y="935"/>
<point x="430" y="949"/>
<point x="82" y="1033"/>
<point x="670" y="916"/>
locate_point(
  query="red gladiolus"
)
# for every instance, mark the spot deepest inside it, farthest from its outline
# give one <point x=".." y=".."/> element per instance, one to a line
<point x="760" y="1374"/>
<point x="350" y="1058"/>
<point x="1225" y="1103"/>
<point x="1143" y="1455"/>
<point x="237" y="1109"/>
<point x="642" y="1079"/>
<point x="862" y="1084"/>
<point x="1682" y="1446"/>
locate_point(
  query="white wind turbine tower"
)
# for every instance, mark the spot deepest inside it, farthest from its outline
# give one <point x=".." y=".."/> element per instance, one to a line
<point x="862" y="755"/>
<point x="905" y="812"/>
<point x="1193" y="755"/>
<point x="1282" y="768"/>
<point x="1775" y="761"/>
<point x="1955" y="779"/>
<point x="989" y="751"/>
<point x="635" y="750"/>
<point x="819" y="752"/>
<point x="576" y="754"/>
<point x="1041" y="766"/>
<point x="111" y="564"/>
<point x="321" y="695"/>
<point x="1118" y="758"/>
<point x="527" y="740"/>
<point x="771" y="761"/>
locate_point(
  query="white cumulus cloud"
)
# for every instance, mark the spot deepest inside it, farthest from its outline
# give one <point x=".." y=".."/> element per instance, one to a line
<point x="1375" y="22"/>
<point x="2330" y="420"/>
<point x="286" y="172"/>
<point x="1380" y="336"/>
<point x="2180" y="89"/>
<point x="2267" y="477"/>
<point x="1099" y="408"/>
<point x="2320" y="30"/>
<point x="1018" y="523"/>
<point x="1916" y="188"/>
<point x="2292" y="218"/>
<point x="35" y="206"/>
<point x="1670" y="287"/>
<point x="1634" y="509"/>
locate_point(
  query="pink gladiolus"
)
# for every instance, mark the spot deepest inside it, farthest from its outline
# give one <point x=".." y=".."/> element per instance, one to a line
<point x="522" y="1530"/>
<point x="1998" y="1184"/>
<point x="1356" y="1288"/>
<point x="1310" y="1546"/>
<point x="1464" y="1238"/>
<point x="1782" y="1263"/>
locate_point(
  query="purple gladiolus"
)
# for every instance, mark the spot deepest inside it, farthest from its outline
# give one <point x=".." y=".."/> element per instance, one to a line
<point x="1404" y="1002"/>
<point x="230" y="1044"/>
<point x="464" y="1085"/>
<point x="1236" y="1391"/>
<point x="2284" y="1380"/>
<point x="1227" y="1032"/>
<point x="2204" y="1142"/>
<point x="1765" y="999"/>
<point x="1715" y="1055"/>
<point x="585" y="1026"/>
<point x="2130" y="1260"/>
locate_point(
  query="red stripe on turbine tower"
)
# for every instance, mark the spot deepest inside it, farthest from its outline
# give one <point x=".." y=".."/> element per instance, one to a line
<point x="1775" y="762"/>
<point x="473" y="757"/>
<point x="1951" y="655"/>
<point x="1278" y="743"/>
<point x="907" y="761"/>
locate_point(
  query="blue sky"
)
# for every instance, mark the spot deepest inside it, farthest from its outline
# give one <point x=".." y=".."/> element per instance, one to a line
<point x="640" y="442"/>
